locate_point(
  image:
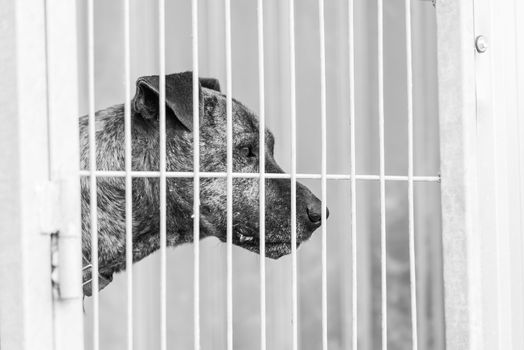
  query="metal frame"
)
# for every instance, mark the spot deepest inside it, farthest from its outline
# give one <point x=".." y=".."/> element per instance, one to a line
<point x="39" y="188"/>
<point x="481" y="157"/>
<point x="458" y="169"/>
<point x="163" y="174"/>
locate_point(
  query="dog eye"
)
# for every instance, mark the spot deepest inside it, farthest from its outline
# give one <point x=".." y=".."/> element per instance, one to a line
<point x="247" y="152"/>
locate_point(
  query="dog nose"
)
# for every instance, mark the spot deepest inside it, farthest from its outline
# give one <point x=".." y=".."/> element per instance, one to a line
<point x="314" y="212"/>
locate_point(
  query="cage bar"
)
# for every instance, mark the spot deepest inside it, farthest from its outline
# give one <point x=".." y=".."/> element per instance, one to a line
<point x="293" y="175"/>
<point x="229" y="178"/>
<point x="63" y="158"/>
<point x="323" y="178"/>
<point x="129" y="181"/>
<point x="262" y="171"/>
<point x="175" y="174"/>
<point x="92" y="175"/>
<point x="196" y="176"/>
<point x="382" y="182"/>
<point x="162" y="169"/>
<point x="353" y="183"/>
<point x="411" y="205"/>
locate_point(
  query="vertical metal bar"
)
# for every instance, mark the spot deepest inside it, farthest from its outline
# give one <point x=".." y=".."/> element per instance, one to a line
<point x="196" y="177"/>
<point x="354" y="262"/>
<point x="519" y="75"/>
<point x="411" y="208"/>
<point x="92" y="169"/>
<point x="262" y="171"/>
<point x="323" y="179"/>
<point x="293" y="214"/>
<point x="162" y="169"/>
<point x="495" y="23"/>
<point x="229" y="238"/>
<point x="62" y="102"/>
<point x="383" y="241"/>
<point x="128" y="180"/>
<point x="459" y="125"/>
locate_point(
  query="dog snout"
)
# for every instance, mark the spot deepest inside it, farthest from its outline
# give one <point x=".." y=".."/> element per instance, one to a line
<point x="314" y="211"/>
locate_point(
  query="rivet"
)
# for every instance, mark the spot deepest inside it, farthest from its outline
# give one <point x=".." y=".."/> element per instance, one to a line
<point x="481" y="43"/>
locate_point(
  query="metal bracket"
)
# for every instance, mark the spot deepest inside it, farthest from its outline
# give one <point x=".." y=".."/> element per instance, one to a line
<point x="65" y="242"/>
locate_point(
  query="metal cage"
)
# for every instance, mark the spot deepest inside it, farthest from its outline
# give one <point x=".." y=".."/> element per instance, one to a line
<point x="48" y="74"/>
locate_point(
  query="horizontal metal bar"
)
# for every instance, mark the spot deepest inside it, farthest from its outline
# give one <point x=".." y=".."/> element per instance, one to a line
<point x="189" y="174"/>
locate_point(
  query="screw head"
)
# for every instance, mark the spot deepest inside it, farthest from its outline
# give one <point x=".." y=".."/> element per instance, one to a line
<point x="481" y="44"/>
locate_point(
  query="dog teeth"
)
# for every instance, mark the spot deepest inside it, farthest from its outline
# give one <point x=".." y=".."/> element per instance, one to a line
<point x="244" y="239"/>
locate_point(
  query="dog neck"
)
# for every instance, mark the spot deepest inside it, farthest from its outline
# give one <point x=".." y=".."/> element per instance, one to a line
<point x="111" y="197"/>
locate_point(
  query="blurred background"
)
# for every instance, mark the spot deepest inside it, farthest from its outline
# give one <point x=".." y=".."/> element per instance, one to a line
<point x="109" y="86"/>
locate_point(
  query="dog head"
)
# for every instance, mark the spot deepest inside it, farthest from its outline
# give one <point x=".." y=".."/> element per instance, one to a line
<point x="213" y="158"/>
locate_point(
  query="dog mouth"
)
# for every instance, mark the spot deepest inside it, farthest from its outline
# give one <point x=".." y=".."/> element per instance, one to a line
<point x="275" y="247"/>
<point x="277" y="241"/>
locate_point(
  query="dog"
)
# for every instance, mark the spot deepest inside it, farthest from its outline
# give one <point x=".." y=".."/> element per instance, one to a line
<point x="110" y="139"/>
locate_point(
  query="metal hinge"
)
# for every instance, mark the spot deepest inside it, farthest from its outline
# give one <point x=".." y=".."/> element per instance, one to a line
<point x="65" y="243"/>
<point x="55" y="264"/>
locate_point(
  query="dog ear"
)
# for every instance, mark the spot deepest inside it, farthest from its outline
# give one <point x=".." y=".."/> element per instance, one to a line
<point x="210" y="83"/>
<point x="179" y="97"/>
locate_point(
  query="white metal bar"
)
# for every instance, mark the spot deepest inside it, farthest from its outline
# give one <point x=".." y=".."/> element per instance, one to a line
<point x="229" y="186"/>
<point x="92" y="168"/>
<point x="62" y="102"/>
<point x="354" y="259"/>
<point x="293" y="116"/>
<point x="262" y="172"/>
<point x="519" y="91"/>
<point x="497" y="135"/>
<point x="459" y="197"/>
<point x="175" y="174"/>
<point x="411" y="207"/>
<point x="497" y="113"/>
<point x="196" y="178"/>
<point x="323" y="116"/>
<point x="383" y="241"/>
<point x="162" y="169"/>
<point x="128" y="168"/>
